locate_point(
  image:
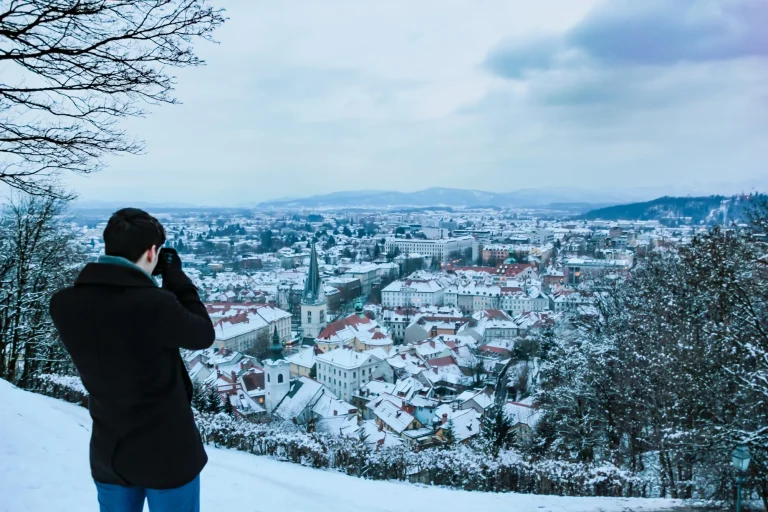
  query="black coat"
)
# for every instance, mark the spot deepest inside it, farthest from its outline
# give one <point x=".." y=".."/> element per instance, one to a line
<point x="124" y="334"/>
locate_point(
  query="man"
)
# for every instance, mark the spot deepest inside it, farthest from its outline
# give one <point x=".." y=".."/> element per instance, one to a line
<point x="124" y="333"/>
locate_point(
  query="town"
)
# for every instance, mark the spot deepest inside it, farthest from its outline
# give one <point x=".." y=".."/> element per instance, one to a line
<point x="400" y="327"/>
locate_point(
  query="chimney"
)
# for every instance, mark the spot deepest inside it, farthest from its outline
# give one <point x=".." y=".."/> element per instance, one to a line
<point x="433" y="332"/>
<point x="234" y="377"/>
<point x="218" y="372"/>
<point x="456" y="327"/>
<point x="335" y="412"/>
<point x="444" y="419"/>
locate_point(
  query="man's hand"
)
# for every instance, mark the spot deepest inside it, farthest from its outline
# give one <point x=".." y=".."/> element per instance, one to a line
<point x="169" y="268"/>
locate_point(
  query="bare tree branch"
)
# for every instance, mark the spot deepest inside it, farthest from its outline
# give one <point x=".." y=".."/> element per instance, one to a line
<point x="70" y="69"/>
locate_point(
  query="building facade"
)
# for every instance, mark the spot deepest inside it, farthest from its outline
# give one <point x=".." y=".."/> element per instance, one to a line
<point x="439" y="249"/>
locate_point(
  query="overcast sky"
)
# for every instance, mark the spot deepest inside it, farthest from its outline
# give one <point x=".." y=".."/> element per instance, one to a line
<point x="307" y="97"/>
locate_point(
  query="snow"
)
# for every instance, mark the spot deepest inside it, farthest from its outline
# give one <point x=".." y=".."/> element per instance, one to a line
<point x="44" y="468"/>
<point x="344" y="358"/>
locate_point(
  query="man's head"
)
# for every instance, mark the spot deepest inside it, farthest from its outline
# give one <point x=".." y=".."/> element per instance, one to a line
<point x="135" y="235"/>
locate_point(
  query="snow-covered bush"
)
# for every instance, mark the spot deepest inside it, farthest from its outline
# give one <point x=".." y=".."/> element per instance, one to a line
<point x="460" y="466"/>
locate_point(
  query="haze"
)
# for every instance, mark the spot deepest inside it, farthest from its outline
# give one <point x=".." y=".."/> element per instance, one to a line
<point x="301" y="98"/>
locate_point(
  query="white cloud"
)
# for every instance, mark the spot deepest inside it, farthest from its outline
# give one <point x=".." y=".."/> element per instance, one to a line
<point x="309" y="97"/>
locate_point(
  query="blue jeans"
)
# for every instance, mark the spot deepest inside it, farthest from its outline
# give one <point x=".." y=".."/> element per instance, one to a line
<point x="116" y="498"/>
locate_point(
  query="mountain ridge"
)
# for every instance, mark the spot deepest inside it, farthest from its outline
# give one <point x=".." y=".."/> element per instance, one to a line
<point x="445" y="196"/>
<point x="671" y="210"/>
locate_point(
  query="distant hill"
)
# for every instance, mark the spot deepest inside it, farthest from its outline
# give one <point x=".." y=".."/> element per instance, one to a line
<point x="676" y="210"/>
<point x="452" y="197"/>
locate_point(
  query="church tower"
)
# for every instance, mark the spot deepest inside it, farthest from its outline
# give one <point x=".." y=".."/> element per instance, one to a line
<point x="314" y="309"/>
<point x="277" y="380"/>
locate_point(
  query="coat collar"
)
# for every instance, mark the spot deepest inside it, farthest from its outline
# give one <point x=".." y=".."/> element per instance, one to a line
<point x="114" y="275"/>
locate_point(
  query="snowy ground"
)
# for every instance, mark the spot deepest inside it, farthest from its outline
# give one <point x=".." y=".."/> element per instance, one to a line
<point x="44" y="468"/>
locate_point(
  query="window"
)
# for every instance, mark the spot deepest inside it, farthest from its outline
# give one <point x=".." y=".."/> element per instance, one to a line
<point x="309" y="317"/>
<point x="268" y="378"/>
<point x="354" y="375"/>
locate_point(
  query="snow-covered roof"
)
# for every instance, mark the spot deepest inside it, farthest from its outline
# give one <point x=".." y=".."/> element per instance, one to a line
<point x="328" y="406"/>
<point x="394" y="417"/>
<point x="373" y="435"/>
<point x="304" y="392"/>
<point x="237" y="325"/>
<point x="466" y="424"/>
<point x="414" y="285"/>
<point x="353" y="326"/>
<point x="345" y="358"/>
<point x="518" y="412"/>
<point x="480" y="398"/>
<point x="304" y="358"/>
<point x="375" y="388"/>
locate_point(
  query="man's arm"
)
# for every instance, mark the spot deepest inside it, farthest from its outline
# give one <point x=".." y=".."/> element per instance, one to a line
<point x="182" y="318"/>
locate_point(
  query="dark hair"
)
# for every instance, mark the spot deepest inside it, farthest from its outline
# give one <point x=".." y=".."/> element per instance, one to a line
<point x="130" y="232"/>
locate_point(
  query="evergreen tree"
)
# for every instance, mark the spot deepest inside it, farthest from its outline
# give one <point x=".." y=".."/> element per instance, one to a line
<point x="497" y="430"/>
<point x="228" y="409"/>
<point x="213" y="401"/>
<point x="199" y="400"/>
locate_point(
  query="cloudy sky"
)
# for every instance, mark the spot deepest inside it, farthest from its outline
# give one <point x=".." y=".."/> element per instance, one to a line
<point x="307" y="97"/>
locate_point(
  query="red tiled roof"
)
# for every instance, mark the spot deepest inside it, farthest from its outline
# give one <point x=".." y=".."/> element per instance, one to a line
<point x="513" y="269"/>
<point x="497" y="350"/>
<point x="234" y="319"/>
<point x="338" y="325"/>
<point x="441" y="361"/>
<point x="493" y="314"/>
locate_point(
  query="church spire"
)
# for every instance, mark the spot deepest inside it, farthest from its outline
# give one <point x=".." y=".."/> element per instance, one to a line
<point x="276" y="348"/>
<point x="313" y="286"/>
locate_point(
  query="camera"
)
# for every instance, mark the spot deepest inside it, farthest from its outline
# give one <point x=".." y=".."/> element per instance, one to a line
<point x="164" y="260"/>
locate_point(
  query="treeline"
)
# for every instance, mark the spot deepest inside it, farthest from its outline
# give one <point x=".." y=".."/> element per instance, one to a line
<point x="672" y="373"/>
<point x="39" y="253"/>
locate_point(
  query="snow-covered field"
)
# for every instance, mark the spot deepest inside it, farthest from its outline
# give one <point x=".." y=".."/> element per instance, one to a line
<point x="44" y="468"/>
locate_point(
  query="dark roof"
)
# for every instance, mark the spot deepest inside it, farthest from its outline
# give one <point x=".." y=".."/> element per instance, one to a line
<point x="253" y="380"/>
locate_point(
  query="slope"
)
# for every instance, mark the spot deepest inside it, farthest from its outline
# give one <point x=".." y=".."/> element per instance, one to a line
<point x="671" y="210"/>
<point x="44" y="467"/>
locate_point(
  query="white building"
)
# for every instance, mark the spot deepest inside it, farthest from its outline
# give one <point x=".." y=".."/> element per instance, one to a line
<point x="439" y="248"/>
<point x="344" y="371"/>
<point x="368" y="274"/>
<point x="516" y="300"/>
<point x="412" y="293"/>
